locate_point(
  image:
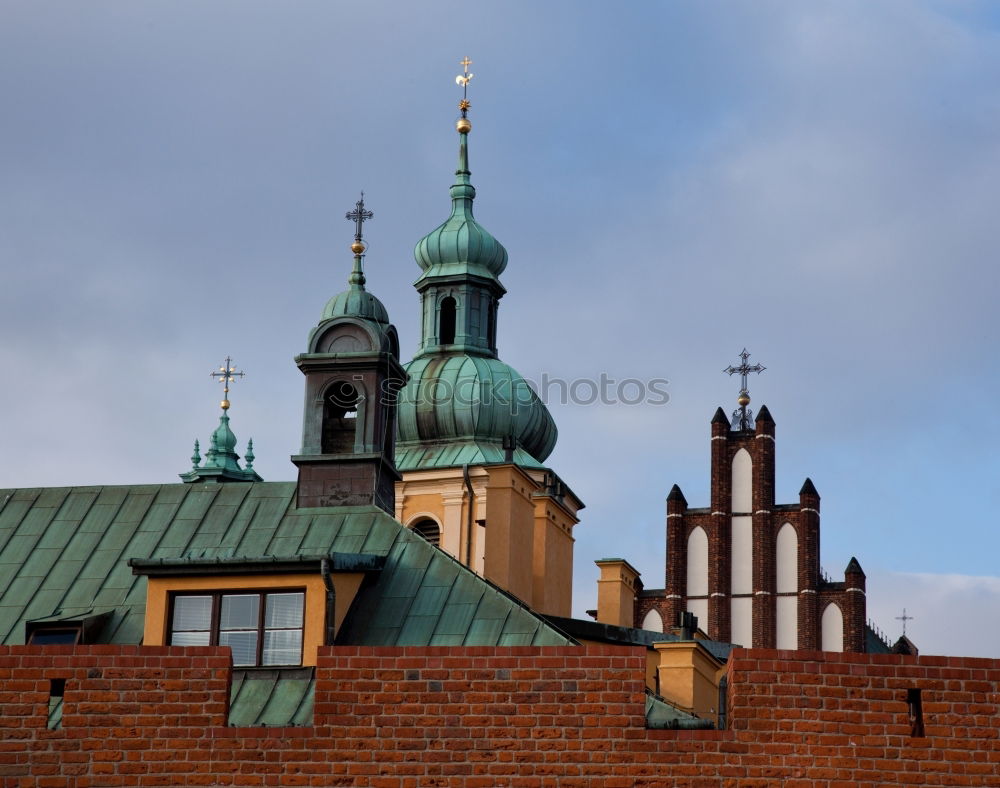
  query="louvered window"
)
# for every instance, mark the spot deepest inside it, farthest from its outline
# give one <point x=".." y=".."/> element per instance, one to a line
<point x="430" y="530"/>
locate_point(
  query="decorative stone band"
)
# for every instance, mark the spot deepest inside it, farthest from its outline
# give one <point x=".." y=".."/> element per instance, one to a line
<point x="763" y="511"/>
<point x="674" y="515"/>
<point x="762" y="593"/>
<point x="769" y="437"/>
<point x="808" y="591"/>
<point x="809" y="509"/>
<point x="718" y="514"/>
<point x="718" y="437"/>
<point x="673" y="596"/>
<point x="855" y="591"/>
<point x="716" y="593"/>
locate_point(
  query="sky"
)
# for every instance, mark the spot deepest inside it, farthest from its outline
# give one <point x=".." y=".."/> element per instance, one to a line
<point x="814" y="181"/>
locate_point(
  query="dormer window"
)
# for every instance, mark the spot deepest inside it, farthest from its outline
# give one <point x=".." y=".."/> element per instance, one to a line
<point x="262" y="628"/>
<point x="65" y="630"/>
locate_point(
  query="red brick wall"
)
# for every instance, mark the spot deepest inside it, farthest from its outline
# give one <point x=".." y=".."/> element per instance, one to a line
<point x="528" y="717"/>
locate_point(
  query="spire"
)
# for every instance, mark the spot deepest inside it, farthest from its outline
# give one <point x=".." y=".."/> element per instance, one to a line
<point x="356" y="301"/>
<point x="359" y="216"/>
<point x="461" y="246"/>
<point x="495" y="415"/>
<point x="221" y="460"/>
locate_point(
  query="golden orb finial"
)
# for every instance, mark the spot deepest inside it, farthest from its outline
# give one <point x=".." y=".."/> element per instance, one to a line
<point x="358" y="247"/>
<point x="225" y="404"/>
<point x="463" y="125"/>
<point x="743" y="400"/>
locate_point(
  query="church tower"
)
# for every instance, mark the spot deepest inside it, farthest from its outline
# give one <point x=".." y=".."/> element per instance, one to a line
<point x="353" y="377"/>
<point x="747" y="567"/>
<point x="473" y="436"/>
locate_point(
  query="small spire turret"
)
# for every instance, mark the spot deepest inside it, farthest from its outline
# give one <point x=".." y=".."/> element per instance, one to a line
<point x="221" y="460"/>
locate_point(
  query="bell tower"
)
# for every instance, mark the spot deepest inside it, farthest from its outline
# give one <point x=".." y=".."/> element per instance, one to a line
<point x="353" y="377"/>
<point x="473" y="435"/>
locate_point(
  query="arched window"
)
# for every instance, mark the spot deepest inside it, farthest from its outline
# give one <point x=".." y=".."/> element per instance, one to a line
<point x="652" y="621"/>
<point x="832" y="629"/>
<point x="428" y="529"/>
<point x="340" y="418"/>
<point x="446" y="334"/>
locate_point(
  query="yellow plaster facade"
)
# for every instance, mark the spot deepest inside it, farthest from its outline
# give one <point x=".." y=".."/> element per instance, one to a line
<point x="512" y="528"/>
<point x="346" y="585"/>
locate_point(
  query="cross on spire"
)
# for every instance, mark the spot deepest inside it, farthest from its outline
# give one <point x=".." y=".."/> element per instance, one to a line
<point x="904" y="618"/>
<point x="359" y="216"/>
<point x="463" y="80"/>
<point x="226" y="375"/>
<point x="743" y="416"/>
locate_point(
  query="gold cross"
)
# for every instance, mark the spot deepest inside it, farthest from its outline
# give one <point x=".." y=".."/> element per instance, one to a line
<point x="465" y="63"/>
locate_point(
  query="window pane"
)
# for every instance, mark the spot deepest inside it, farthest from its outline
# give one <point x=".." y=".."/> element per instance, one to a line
<point x="192" y="613"/>
<point x="189" y="639"/>
<point x="239" y="611"/>
<point x="284" y="610"/>
<point x="53" y="637"/>
<point x="283" y="647"/>
<point x="244" y="645"/>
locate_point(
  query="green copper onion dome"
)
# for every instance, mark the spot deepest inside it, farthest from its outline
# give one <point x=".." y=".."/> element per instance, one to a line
<point x="461" y="244"/>
<point x="467" y="405"/>
<point x="462" y="404"/>
<point x="356" y="301"/>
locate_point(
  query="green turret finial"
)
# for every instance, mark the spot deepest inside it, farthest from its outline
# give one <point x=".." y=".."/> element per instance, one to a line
<point x="221" y="460"/>
<point x="461" y="246"/>
<point x="359" y="216"/>
<point x="249" y="457"/>
<point x="356" y="301"/>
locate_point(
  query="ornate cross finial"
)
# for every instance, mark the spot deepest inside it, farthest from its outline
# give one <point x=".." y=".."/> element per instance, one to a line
<point x="463" y="80"/>
<point x="226" y="375"/>
<point x="359" y="216"/>
<point x="743" y="416"/>
<point x="904" y="618"/>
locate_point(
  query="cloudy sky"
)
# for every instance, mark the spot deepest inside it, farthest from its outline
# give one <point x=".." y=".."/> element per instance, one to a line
<point x="815" y="181"/>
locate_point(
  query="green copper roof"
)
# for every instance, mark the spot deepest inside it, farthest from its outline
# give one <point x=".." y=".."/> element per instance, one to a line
<point x="64" y="551"/>
<point x="461" y="245"/>
<point x="453" y="454"/>
<point x="274" y="697"/>
<point x="255" y="698"/>
<point x="463" y="404"/>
